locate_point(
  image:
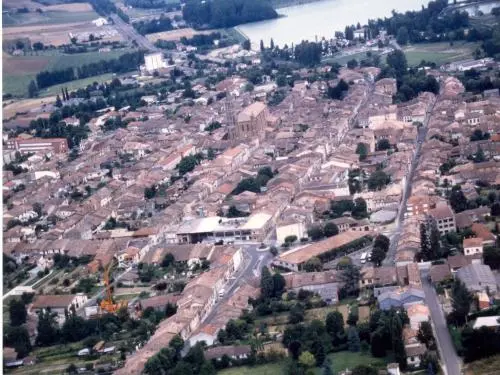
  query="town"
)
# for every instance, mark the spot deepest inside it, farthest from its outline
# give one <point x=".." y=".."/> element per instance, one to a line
<point x="220" y="205"/>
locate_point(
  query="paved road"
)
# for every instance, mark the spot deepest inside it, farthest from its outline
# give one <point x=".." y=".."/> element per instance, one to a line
<point x="253" y="262"/>
<point x="447" y="351"/>
<point x="422" y="132"/>
<point x="130" y="34"/>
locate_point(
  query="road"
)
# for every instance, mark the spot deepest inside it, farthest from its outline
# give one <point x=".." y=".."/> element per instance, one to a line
<point x="253" y="262"/>
<point x="447" y="351"/>
<point x="422" y="133"/>
<point x="130" y="34"/>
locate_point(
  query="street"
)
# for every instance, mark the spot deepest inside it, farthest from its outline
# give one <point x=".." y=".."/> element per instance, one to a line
<point x="447" y="351"/>
<point x="130" y="33"/>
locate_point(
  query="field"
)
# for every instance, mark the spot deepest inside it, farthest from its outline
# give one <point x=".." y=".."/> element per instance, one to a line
<point x="12" y="107"/>
<point x="20" y="70"/>
<point x="439" y="53"/>
<point x="47" y="34"/>
<point x="342" y="60"/>
<point x="340" y="361"/>
<point x="52" y="14"/>
<point x="175" y="34"/>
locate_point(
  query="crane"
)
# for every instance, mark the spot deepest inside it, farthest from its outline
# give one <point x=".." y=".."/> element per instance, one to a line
<point x="107" y="304"/>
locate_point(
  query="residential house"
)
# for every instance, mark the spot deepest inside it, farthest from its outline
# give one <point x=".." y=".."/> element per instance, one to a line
<point x="417" y="313"/>
<point x="440" y="272"/>
<point x="399" y="298"/>
<point x="478" y="277"/>
<point x="58" y="304"/>
<point x="484" y="233"/>
<point x="233" y="352"/>
<point x="473" y="246"/>
<point x="444" y="217"/>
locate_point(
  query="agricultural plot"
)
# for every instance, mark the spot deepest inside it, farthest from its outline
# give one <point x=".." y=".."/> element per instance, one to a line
<point x="175" y="35"/>
<point x="439" y="53"/>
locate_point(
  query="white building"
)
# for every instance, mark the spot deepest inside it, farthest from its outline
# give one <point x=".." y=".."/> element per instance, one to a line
<point x="100" y="21"/>
<point x="297" y="229"/>
<point x="154" y="61"/>
<point x="473" y="246"/>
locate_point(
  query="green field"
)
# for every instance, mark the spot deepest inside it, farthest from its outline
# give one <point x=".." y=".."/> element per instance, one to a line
<point x="16" y="83"/>
<point x="340" y="361"/>
<point x="342" y="60"/>
<point x="45" y="18"/>
<point x="439" y="53"/>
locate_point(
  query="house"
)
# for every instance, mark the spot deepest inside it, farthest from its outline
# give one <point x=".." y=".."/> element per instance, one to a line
<point x="207" y="333"/>
<point x="444" y="217"/>
<point x="483" y="232"/>
<point x="483" y="300"/>
<point x="487" y="321"/>
<point x="477" y="278"/>
<point x="323" y="283"/>
<point x="59" y="304"/>
<point x="233" y="352"/>
<point x="439" y="272"/>
<point x="457" y="261"/>
<point x="417" y="313"/>
<point x="290" y="228"/>
<point x="399" y="298"/>
<point x="380" y="276"/>
<point x="414" y="354"/>
<point x="158" y="303"/>
<point x="473" y="246"/>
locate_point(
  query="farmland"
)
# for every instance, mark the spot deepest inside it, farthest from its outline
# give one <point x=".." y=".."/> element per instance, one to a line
<point x="175" y="34"/>
<point x="20" y="70"/>
<point x="439" y="53"/>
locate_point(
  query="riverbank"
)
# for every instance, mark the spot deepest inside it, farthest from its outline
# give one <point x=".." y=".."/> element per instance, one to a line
<point x="277" y="4"/>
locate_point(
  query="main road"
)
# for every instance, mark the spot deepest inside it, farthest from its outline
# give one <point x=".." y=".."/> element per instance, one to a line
<point x="131" y="34"/>
<point x="447" y="351"/>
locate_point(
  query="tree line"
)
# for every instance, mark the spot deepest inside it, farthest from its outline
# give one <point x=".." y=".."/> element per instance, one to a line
<point x="126" y="62"/>
<point x="154" y="4"/>
<point x="107" y="7"/>
<point x="226" y="13"/>
<point x="156" y="25"/>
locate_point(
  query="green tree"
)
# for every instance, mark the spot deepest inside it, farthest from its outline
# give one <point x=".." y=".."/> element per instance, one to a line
<point x="279" y="285"/>
<point x="383" y="144"/>
<point x="378" y="180"/>
<point x="350" y="276"/>
<point x="402" y="36"/>
<point x="177" y="343"/>
<point x="330" y="229"/>
<point x="461" y="300"/>
<point x="32" y="89"/>
<point x="307" y="360"/>
<point x="48" y="330"/>
<point x="17" y="312"/>
<point x="378" y="256"/>
<point x="353" y="341"/>
<point x="313" y="265"/>
<point x="457" y="199"/>
<point x="352" y="64"/>
<point x="397" y="61"/>
<point x="335" y="327"/>
<point x="491" y="257"/>
<point x="315" y="232"/>
<point x="378" y="343"/>
<point x="360" y="209"/>
<point x="266" y="283"/>
<point x="326" y="369"/>
<point x="290" y="239"/>
<point x="425" y="335"/>
<point x="246" y="44"/>
<point x="19" y="339"/>
<point x="362" y="151"/>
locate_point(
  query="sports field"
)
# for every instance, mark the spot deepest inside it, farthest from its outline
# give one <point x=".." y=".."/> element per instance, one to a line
<point x="439" y="53"/>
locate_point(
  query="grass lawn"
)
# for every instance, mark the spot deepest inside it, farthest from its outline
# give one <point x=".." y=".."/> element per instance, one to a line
<point x="439" y="53"/>
<point x="342" y="60"/>
<point x="74" y="85"/>
<point x="340" y="361"/>
<point x="16" y="81"/>
<point x="486" y="366"/>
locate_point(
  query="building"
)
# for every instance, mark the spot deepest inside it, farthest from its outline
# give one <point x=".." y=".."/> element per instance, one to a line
<point x="399" y="298"/>
<point x="323" y="283"/>
<point x="154" y="62"/>
<point x="233" y="352"/>
<point x="215" y="228"/>
<point x="297" y="229"/>
<point x="417" y="313"/>
<point x="296" y="258"/>
<point x="59" y="304"/>
<point x="444" y="217"/>
<point x="487" y="321"/>
<point x="473" y="246"/>
<point x="55" y="145"/>
<point x="101" y="21"/>
<point x="251" y="122"/>
<point x="477" y="278"/>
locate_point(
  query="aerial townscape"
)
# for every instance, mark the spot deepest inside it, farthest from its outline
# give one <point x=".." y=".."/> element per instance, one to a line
<point x="189" y="189"/>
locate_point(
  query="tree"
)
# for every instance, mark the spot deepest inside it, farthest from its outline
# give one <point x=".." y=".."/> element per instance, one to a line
<point x="353" y="317"/>
<point x="74" y="328"/>
<point x="246" y="44"/>
<point x="378" y="344"/>
<point x="362" y="151"/>
<point x="402" y="36"/>
<point x="397" y="61"/>
<point x="32" y="89"/>
<point x="378" y="256"/>
<point x="168" y="260"/>
<point x="315" y="232"/>
<point x="177" y="343"/>
<point x="383" y="144"/>
<point x="491" y="257"/>
<point x="457" y="199"/>
<point x="19" y="339"/>
<point x="360" y="209"/>
<point x="326" y="369"/>
<point x="353" y="341"/>
<point x="397" y="341"/>
<point x="296" y="314"/>
<point x="307" y="360"/>
<point x="271" y="45"/>
<point x="352" y="64"/>
<point x="290" y="239"/>
<point x="313" y="265"/>
<point x="266" y="283"/>
<point x="461" y="300"/>
<point x="425" y="335"/>
<point x="350" y="277"/>
<point x="335" y="326"/>
<point x="330" y="229"/>
<point x="262" y="48"/>
<point x="382" y="241"/>
<point x="378" y="180"/>
<point x="48" y="332"/>
<point x="17" y="312"/>
<point x="279" y="285"/>
<point x="58" y="101"/>
<point x="495" y="209"/>
<point x="479" y="156"/>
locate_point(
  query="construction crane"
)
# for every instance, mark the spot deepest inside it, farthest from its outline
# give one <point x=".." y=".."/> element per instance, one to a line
<point x="108" y="304"/>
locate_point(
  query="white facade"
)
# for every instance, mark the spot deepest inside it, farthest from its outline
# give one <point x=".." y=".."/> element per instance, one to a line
<point x="295" y="229"/>
<point x="154" y="61"/>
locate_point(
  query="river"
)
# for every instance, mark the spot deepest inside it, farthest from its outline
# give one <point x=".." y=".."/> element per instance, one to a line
<point x="321" y="19"/>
